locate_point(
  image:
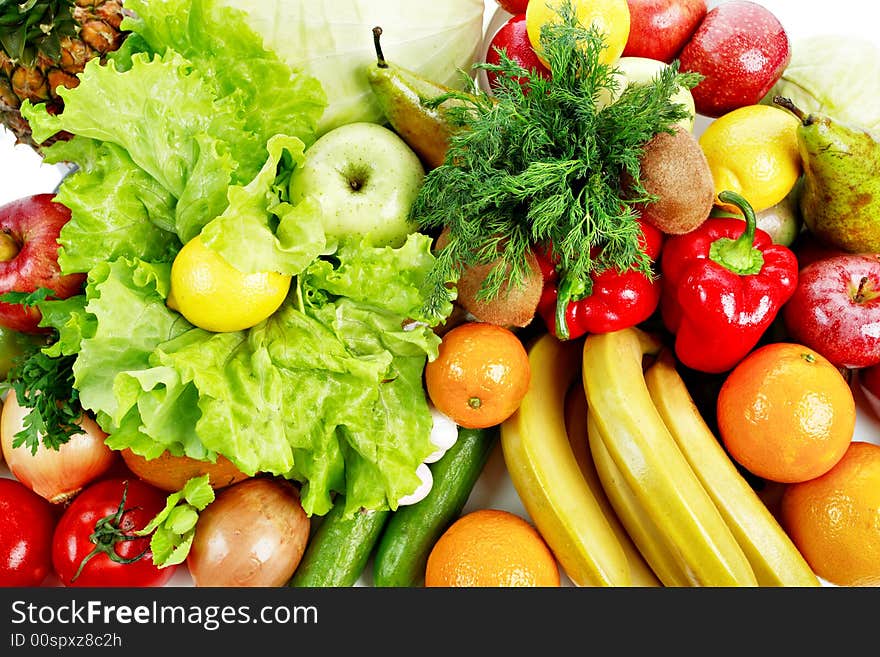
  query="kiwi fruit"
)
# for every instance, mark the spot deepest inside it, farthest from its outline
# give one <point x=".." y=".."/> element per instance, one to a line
<point x="513" y="307"/>
<point x="674" y="168"/>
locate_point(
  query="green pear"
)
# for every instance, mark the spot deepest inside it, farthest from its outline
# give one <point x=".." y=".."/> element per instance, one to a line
<point x="840" y="199"/>
<point x="400" y="94"/>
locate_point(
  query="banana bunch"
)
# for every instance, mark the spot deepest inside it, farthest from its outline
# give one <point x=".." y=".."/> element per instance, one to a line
<point x="626" y="482"/>
<point x="581" y="531"/>
<point x="693" y="516"/>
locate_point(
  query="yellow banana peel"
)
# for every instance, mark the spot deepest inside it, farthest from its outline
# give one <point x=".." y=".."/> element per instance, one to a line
<point x="547" y="477"/>
<point x="656" y="473"/>
<point x="773" y="556"/>
<point x="641" y="573"/>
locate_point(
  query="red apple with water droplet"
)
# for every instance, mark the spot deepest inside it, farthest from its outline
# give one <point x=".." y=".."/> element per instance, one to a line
<point x="741" y="48"/>
<point x="29" y="231"/>
<point x="513" y="39"/>
<point x="659" y="29"/>
<point x="835" y="309"/>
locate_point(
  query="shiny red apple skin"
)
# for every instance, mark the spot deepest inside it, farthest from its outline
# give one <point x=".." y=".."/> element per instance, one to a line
<point x="659" y="29"/>
<point x="33" y="223"/>
<point x="513" y="6"/>
<point x="741" y="49"/>
<point x="514" y="40"/>
<point x="835" y="309"/>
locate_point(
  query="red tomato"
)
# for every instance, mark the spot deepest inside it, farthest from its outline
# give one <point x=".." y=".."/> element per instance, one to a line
<point x="513" y="39"/>
<point x="26" y="525"/>
<point x="101" y="522"/>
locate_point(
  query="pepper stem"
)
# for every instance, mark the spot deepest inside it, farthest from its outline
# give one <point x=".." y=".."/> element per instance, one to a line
<point x="567" y="291"/>
<point x="738" y="255"/>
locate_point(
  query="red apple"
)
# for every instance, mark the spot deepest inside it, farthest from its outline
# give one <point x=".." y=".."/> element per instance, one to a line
<point x="513" y="39"/>
<point x="741" y="49"/>
<point x="835" y="309"/>
<point x="513" y="6"/>
<point x="658" y="29"/>
<point x="29" y="230"/>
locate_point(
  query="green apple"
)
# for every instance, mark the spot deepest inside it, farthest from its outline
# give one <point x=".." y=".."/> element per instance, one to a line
<point x="365" y="178"/>
<point x="641" y="70"/>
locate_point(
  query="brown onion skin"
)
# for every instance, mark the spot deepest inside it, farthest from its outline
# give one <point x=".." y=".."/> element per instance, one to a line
<point x="170" y="473"/>
<point x="56" y="475"/>
<point x="253" y="534"/>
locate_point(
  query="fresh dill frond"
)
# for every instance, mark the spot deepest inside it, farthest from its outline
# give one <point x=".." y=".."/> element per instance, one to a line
<point x="540" y="162"/>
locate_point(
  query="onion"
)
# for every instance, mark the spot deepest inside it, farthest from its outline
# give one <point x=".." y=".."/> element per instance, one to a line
<point x="54" y="474"/>
<point x="170" y="473"/>
<point x="253" y="534"/>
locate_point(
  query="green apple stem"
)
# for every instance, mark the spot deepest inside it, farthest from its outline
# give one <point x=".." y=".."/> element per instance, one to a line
<point x="9" y="247"/>
<point x="381" y="63"/>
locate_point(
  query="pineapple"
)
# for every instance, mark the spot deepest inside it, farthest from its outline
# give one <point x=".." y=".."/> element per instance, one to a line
<point x="44" y="44"/>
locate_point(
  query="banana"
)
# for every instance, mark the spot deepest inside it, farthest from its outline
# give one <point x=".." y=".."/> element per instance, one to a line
<point x="576" y="426"/>
<point x="653" y="546"/>
<point x="773" y="556"/>
<point x="547" y="477"/>
<point x="654" y="469"/>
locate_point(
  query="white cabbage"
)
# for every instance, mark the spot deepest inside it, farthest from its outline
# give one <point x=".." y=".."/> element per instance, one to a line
<point x="333" y="40"/>
<point x="835" y="75"/>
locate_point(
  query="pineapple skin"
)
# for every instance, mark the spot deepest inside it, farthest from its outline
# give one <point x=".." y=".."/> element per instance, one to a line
<point x="38" y="73"/>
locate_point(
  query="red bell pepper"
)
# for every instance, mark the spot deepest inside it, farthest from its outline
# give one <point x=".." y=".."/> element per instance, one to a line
<point x="616" y="300"/>
<point x="723" y="285"/>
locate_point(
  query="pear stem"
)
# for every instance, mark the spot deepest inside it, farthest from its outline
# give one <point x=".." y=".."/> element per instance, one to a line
<point x="786" y="103"/>
<point x="381" y="63"/>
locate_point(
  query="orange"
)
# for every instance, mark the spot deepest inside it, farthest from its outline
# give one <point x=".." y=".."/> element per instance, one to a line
<point x="480" y="375"/>
<point x="785" y="413"/>
<point x="491" y="547"/>
<point x="834" y="520"/>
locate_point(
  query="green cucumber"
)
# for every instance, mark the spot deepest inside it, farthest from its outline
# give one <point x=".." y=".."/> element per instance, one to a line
<point x="411" y="532"/>
<point x="338" y="551"/>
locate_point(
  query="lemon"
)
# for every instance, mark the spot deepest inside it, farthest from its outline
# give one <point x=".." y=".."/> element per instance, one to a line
<point x="215" y="296"/>
<point x="753" y="150"/>
<point x="610" y="17"/>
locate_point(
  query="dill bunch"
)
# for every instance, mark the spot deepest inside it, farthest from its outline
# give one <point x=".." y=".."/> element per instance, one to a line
<point x="540" y="164"/>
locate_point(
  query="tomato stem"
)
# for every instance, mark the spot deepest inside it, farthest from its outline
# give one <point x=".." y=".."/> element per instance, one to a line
<point x="107" y="534"/>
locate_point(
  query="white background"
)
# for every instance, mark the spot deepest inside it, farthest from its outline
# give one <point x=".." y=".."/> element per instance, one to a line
<point x="22" y="173"/>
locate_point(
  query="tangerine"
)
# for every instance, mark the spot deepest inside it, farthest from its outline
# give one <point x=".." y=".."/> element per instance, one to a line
<point x="786" y="413"/>
<point x="491" y="548"/>
<point x="480" y="375"/>
<point x="834" y="519"/>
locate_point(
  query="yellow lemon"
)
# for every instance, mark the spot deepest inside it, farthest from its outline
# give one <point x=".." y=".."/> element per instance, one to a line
<point x="215" y="296"/>
<point x="610" y="17"/>
<point x="753" y="150"/>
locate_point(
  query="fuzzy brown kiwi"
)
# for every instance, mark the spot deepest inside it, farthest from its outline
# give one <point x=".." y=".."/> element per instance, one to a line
<point x="674" y="168"/>
<point x="514" y="306"/>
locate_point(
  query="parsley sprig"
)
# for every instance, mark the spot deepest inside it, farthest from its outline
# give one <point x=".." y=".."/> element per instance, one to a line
<point x="540" y="164"/>
<point x="43" y="383"/>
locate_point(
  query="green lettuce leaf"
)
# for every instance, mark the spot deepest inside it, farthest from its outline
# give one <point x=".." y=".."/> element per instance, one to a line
<point x="164" y="129"/>
<point x="327" y="391"/>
